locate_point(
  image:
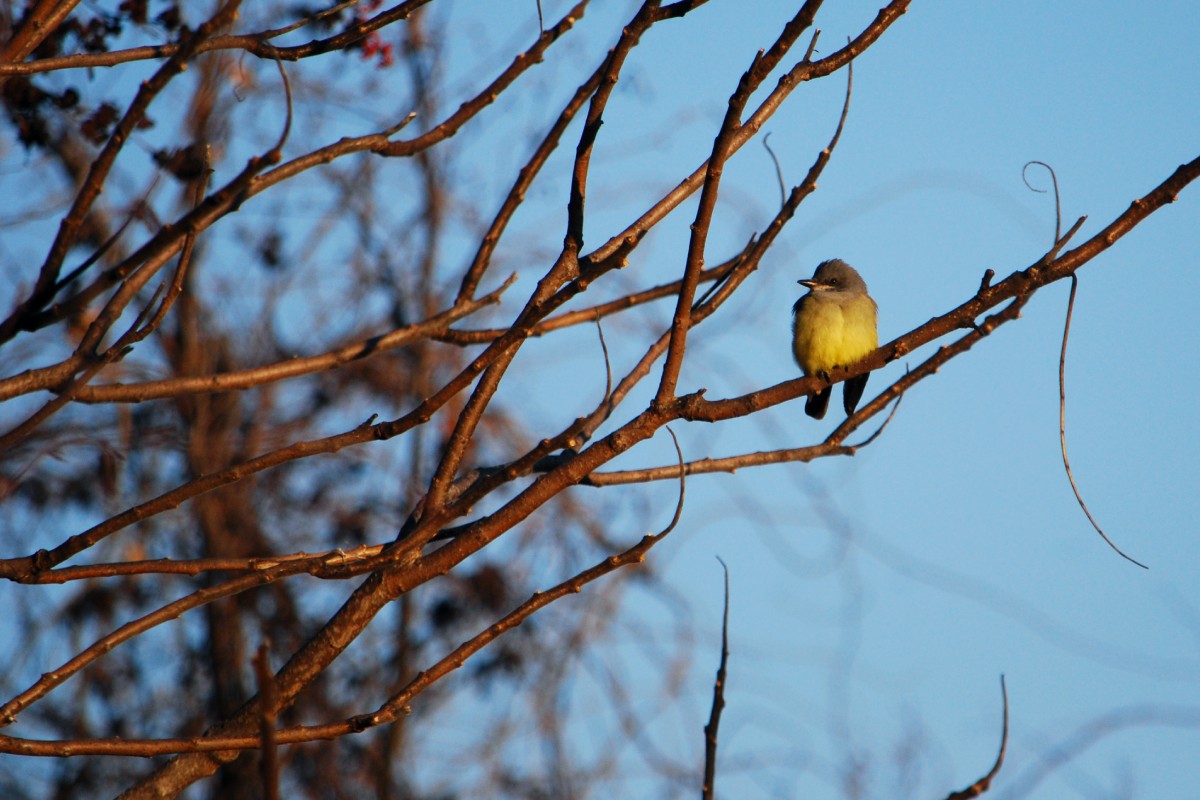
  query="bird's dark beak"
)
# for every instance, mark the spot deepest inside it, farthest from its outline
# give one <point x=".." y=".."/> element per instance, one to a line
<point x="807" y="283"/>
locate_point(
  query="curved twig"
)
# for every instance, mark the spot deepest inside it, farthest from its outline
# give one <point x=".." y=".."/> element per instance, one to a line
<point x="983" y="784"/>
<point x="778" y="169"/>
<point x="1062" y="427"/>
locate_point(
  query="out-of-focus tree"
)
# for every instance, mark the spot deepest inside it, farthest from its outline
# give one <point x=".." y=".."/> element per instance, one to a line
<point x="284" y="445"/>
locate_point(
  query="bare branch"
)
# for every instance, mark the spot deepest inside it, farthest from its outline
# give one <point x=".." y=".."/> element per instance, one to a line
<point x="257" y="44"/>
<point x="723" y="147"/>
<point x="434" y="327"/>
<point x="983" y="784"/>
<point x="718" y="702"/>
<point x="103" y="163"/>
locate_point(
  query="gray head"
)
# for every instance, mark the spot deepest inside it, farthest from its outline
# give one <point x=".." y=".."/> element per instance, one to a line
<point x="835" y="275"/>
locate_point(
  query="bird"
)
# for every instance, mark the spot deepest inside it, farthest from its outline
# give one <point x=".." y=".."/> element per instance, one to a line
<point x="834" y="325"/>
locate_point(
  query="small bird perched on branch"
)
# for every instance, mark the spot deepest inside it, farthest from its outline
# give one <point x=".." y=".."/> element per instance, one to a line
<point x="834" y="325"/>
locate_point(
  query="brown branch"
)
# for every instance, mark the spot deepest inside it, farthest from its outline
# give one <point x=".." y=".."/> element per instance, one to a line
<point x="136" y="333"/>
<point x="386" y="713"/>
<point x="728" y="464"/>
<point x="634" y="555"/>
<point x="329" y="563"/>
<point x="804" y="71"/>
<point x="983" y="784"/>
<point x="302" y="668"/>
<point x="609" y="74"/>
<point x="464" y="429"/>
<point x="256" y="44"/>
<point x="55" y="678"/>
<point x="40" y="21"/>
<point x="581" y="430"/>
<point x="833" y="444"/>
<point x="164" y="244"/>
<point x="718" y="702"/>
<point x="1024" y="283"/>
<point x="151" y="257"/>
<point x="380" y="588"/>
<point x="537" y="459"/>
<point x="565" y="267"/>
<point x="488" y="95"/>
<point x="102" y="165"/>
<point x="22" y="568"/>
<point x="584" y="315"/>
<point x="722" y="149"/>
<point x="711" y="411"/>
<point x="516" y="195"/>
<point x="91" y="367"/>
<point x="434" y="327"/>
<point x="740" y="268"/>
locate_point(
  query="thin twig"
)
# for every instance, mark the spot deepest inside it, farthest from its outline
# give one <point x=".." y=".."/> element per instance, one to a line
<point x="257" y="44"/>
<point x="268" y="373"/>
<point x="130" y="630"/>
<point x="329" y="563"/>
<point x="718" y="701"/>
<point x="886" y="422"/>
<point x="803" y="71"/>
<point x="566" y="319"/>
<point x="1057" y="196"/>
<point x="778" y="169"/>
<point x="983" y="784"/>
<point x="516" y="195"/>
<point x="607" y="368"/>
<point x="1059" y="242"/>
<point x="724" y="146"/>
<point x="1062" y="426"/>
<point x="98" y="172"/>
<point x="565" y="269"/>
<point x="395" y="706"/>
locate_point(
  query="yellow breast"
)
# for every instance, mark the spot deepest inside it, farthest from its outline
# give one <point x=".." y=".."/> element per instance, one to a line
<point x="829" y="330"/>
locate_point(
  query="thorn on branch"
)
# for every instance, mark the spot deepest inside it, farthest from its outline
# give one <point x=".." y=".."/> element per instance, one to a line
<point x="812" y="46"/>
<point x="399" y="126"/>
<point x="986" y="282"/>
